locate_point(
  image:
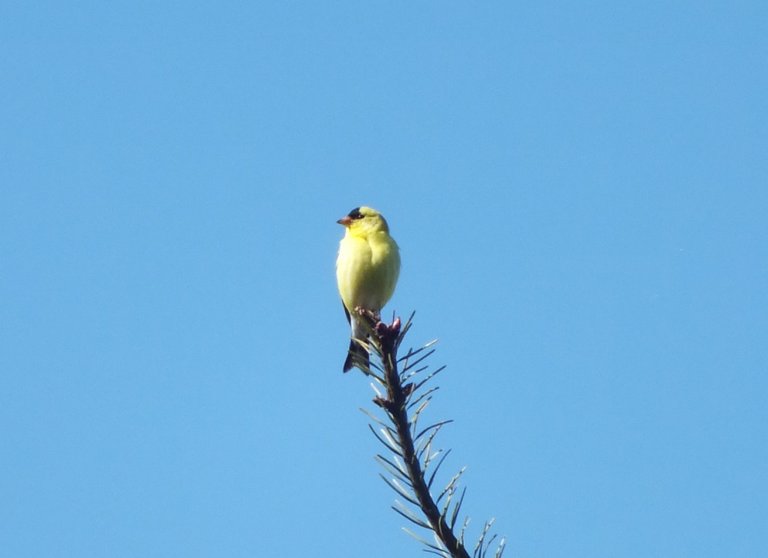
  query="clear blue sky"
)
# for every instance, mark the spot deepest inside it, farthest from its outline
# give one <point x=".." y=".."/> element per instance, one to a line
<point x="580" y="194"/>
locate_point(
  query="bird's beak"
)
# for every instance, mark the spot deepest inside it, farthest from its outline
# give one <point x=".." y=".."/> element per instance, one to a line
<point x="346" y="221"/>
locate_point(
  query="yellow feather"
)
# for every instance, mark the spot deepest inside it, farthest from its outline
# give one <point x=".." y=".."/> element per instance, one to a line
<point x="367" y="269"/>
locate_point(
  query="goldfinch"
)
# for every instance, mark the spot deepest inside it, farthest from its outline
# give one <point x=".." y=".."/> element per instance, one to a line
<point x="366" y="272"/>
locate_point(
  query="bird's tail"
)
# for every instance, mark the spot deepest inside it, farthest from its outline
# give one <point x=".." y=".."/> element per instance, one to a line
<point x="358" y="352"/>
<point x="357" y="356"/>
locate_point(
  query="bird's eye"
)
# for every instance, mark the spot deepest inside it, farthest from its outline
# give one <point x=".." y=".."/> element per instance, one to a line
<point x="355" y="213"/>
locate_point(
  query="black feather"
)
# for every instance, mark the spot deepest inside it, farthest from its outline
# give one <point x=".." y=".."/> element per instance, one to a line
<point x="357" y="356"/>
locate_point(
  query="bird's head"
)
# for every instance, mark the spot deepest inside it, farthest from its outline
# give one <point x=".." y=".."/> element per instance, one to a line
<point x="362" y="221"/>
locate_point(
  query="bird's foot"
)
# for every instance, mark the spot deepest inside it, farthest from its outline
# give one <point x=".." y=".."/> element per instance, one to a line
<point x="382" y="330"/>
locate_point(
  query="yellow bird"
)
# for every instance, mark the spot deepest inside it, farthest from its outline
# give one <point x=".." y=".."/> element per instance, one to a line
<point x="366" y="272"/>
